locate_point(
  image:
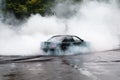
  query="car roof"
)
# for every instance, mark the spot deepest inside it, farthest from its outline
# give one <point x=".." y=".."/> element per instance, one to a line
<point x="65" y="36"/>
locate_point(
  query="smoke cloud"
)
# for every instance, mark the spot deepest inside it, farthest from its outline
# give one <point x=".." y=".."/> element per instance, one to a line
<point x="93" y="21"/>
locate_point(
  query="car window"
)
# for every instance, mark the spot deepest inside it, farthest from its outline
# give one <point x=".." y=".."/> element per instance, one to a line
<point x="76" y="39"/>
<point x="64" y="39"/>
<point x="68" y="39"/>
<point x="56" y="39"/>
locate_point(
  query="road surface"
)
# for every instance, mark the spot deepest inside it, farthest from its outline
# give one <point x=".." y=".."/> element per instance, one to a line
<point x="93" y="66"/>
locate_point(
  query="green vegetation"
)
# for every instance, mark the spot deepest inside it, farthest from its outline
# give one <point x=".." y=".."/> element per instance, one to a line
<point x="24" y="8"/>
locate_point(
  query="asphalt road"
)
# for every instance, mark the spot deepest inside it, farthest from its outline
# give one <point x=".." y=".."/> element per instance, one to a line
<point x="93" y="66"/>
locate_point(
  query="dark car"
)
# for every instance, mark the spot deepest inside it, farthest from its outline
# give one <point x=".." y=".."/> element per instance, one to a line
<point x="61" y="43"/>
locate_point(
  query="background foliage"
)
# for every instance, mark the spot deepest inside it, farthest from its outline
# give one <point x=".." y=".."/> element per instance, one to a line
<point x="24" y="8"/>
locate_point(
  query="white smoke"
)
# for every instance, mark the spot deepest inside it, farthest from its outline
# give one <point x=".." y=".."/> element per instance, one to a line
<point x="26" y="40"/>
<point x="95" y="22"/>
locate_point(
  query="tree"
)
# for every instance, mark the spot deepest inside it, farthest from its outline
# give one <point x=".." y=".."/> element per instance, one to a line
<point x="24" y="8"/>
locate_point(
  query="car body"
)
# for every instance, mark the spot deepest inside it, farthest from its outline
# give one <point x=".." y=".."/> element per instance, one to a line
<point x="60" y="43"/>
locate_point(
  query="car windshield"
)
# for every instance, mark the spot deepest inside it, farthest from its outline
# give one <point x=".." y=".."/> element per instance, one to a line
<point x="56" y="39"/>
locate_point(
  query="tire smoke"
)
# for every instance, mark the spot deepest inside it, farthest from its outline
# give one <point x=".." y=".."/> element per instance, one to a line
<point x="96" y="22"/>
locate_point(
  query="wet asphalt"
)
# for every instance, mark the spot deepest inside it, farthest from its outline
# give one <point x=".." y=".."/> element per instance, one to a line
<point x="93" y="66"/>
